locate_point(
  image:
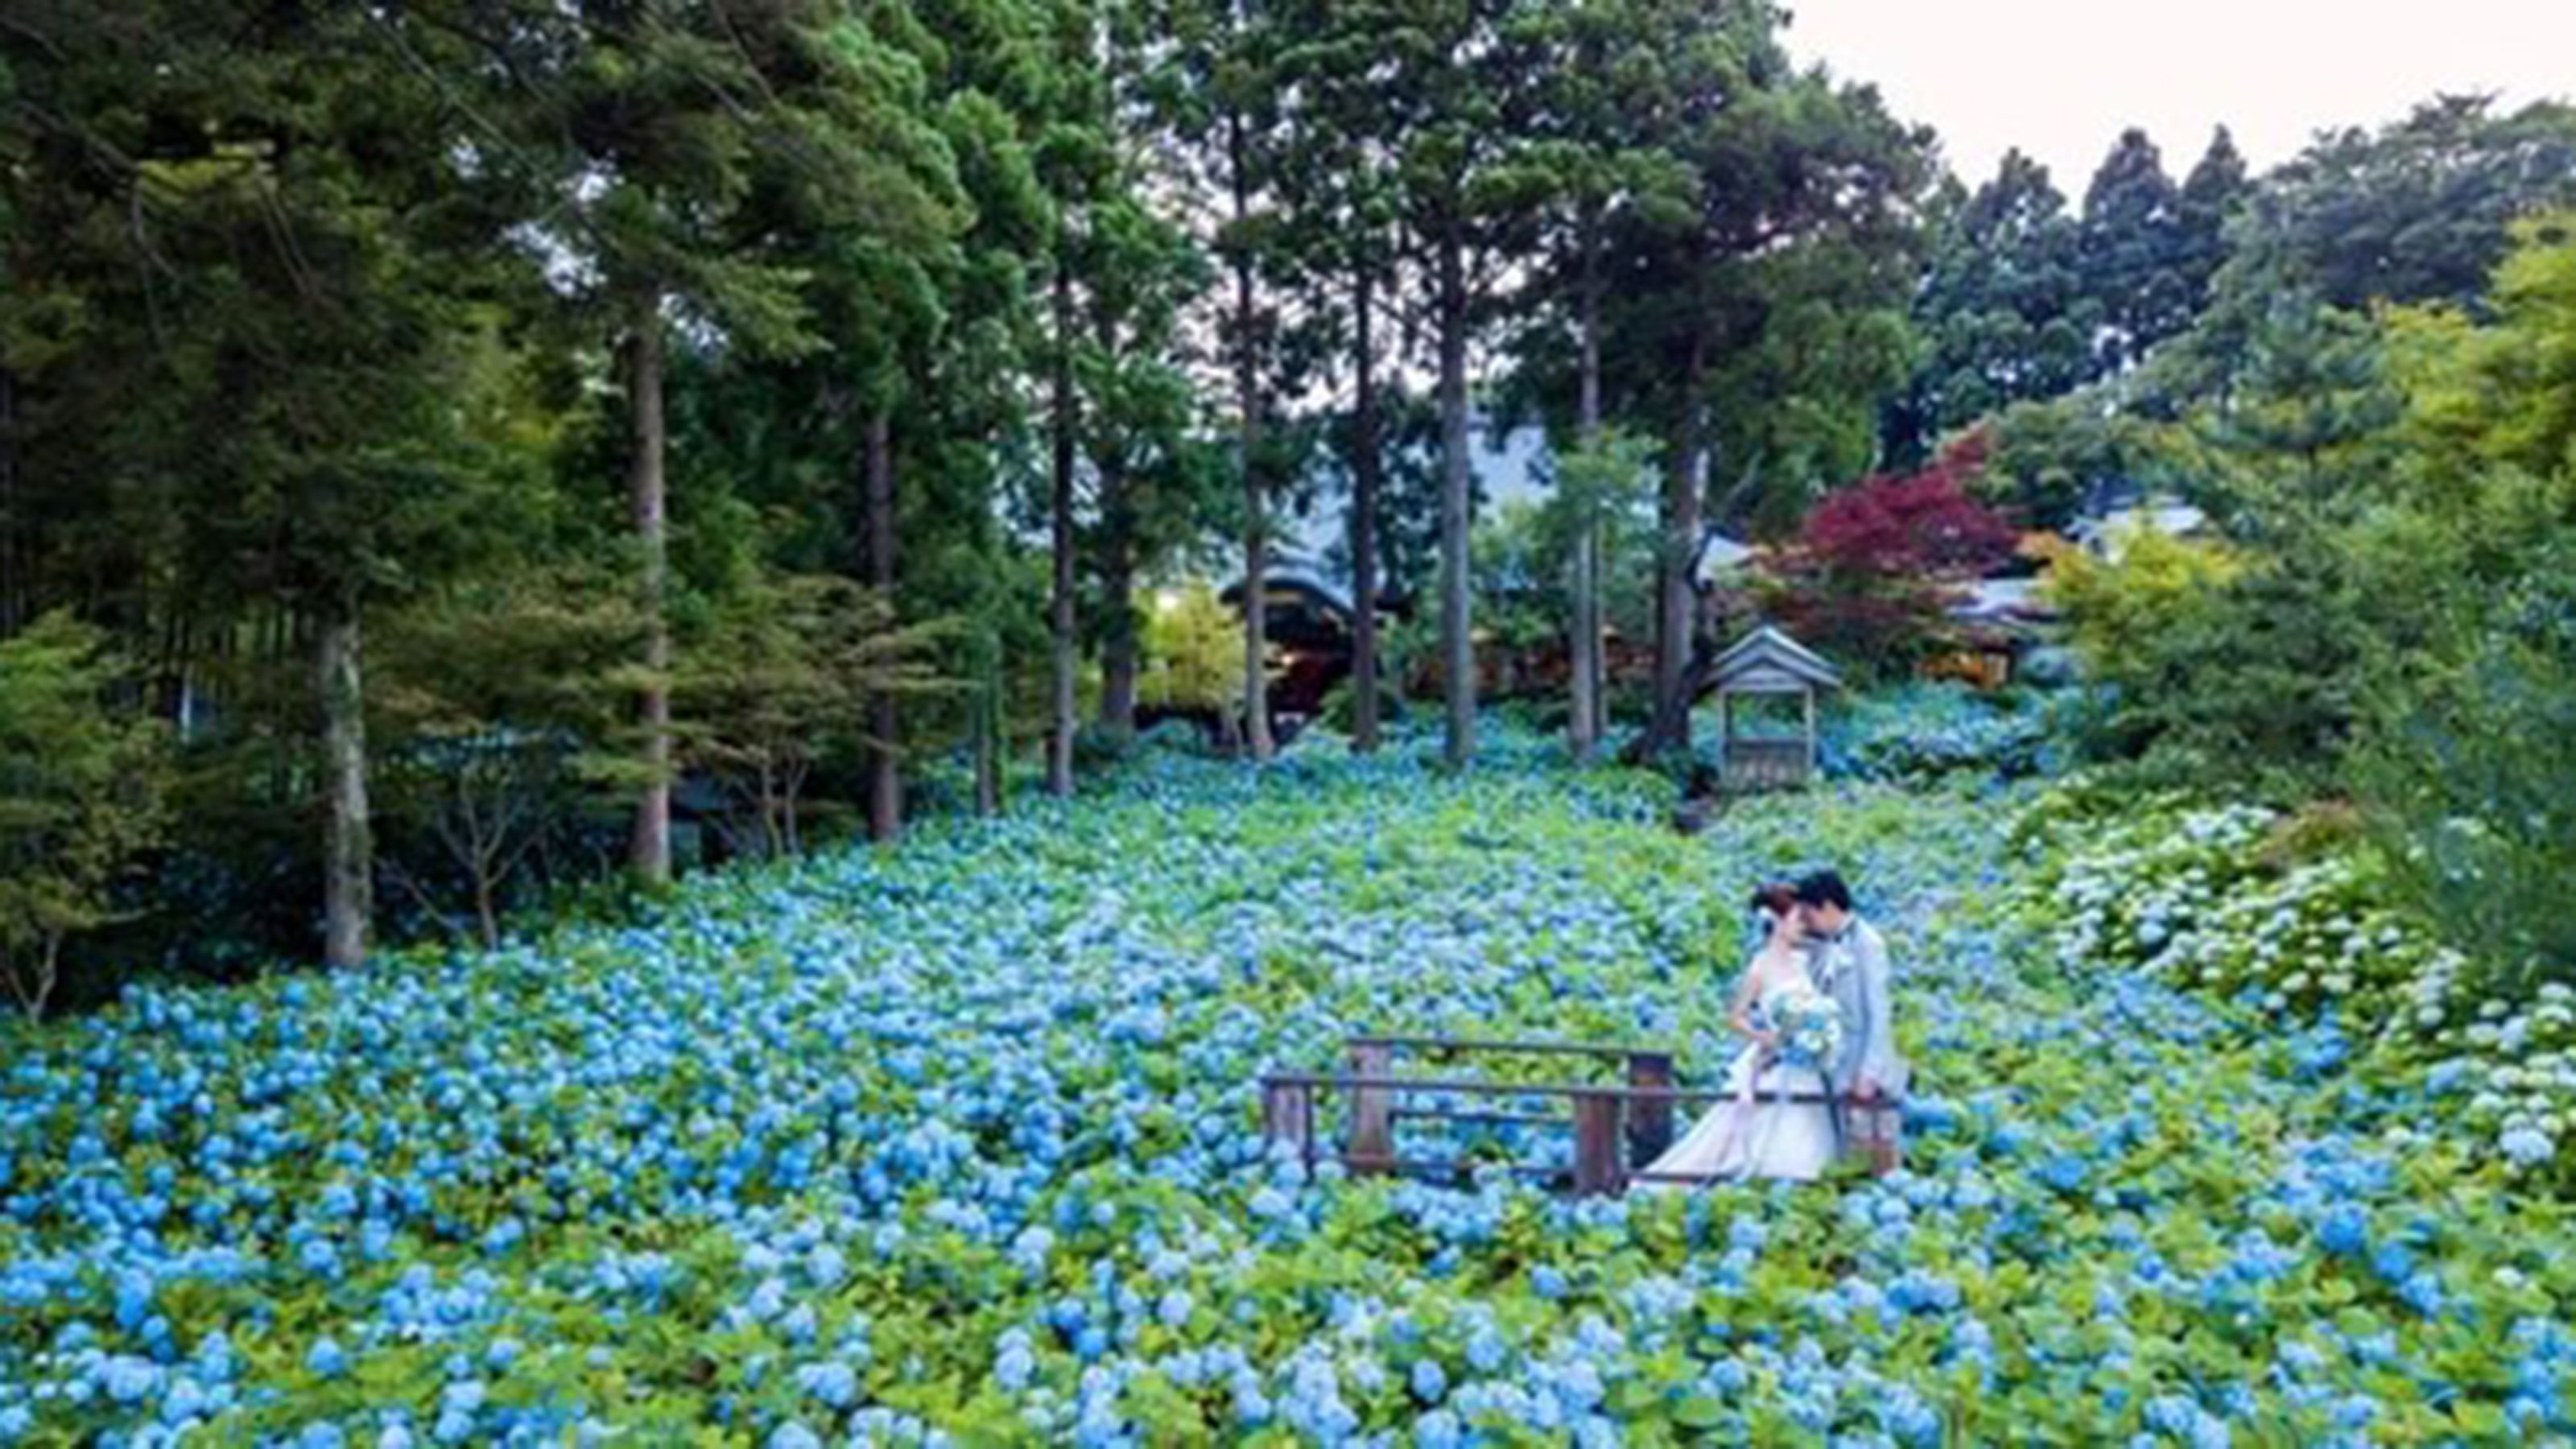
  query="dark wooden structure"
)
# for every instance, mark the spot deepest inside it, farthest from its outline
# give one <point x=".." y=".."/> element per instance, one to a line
<point x="1308" y="623"/>
<point x="1999" y="621"/>
<point x="1619" y="1126"/>
<point x="1769" y="663"/>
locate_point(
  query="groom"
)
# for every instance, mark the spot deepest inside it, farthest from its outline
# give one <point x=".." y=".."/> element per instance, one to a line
<point x="1848" y="962"/>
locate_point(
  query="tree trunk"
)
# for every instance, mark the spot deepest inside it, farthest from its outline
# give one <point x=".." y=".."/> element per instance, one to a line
<point x="1457" y="647"/>
<point x="348" y="855"/>
<point x="885" y="725"/>
<point x="1364" y="480"/>
<point x="987" y="728"/>
<point x="1120" y="642"/>
<point x="649" y="849"/>
<point x="1247" y="385"/>
<point x="13" y="576"/>
<point x="1063" y="654"/>
<point x="1675" y="599"/>
<point x="1583" y="656"/>
<point x="487" y="908"/>
<point x="1120" y="647"/>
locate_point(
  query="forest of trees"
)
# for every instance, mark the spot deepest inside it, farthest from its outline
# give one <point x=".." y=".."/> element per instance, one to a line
<point x="444" y="445"/>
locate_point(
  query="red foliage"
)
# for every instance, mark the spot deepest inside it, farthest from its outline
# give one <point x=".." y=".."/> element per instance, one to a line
<point x="1922" y="527"/>
<point x="1873" y="567"/>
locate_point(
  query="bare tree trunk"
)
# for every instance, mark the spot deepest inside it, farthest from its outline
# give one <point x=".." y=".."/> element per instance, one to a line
<point x="885" y="724"/>
<point x="1120" y="647"/>
<point x="1584" y="652"/>
<point x="649" y="848"/>
<point x="1364" y="481"/>
<point x="1247" y="384"/>
<point x="987" y="745"/>
<point x="36" y="986"/>
<point x="1457" y="646"/>
<point x="1063" y="653"/>
<point x="1675" y="599"/>
<point x="348" y="855"/>
<point x="13" y="575"/>
<point x="487" y="909"/>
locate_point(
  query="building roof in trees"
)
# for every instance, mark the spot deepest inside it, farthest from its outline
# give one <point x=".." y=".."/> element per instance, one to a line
<point x="1291" y="577"/>
<point x="2102" y="532"/>
<point x="1306" y="608"/>
<point x="1768" y="661"/>
<point x="2001" y="601"/>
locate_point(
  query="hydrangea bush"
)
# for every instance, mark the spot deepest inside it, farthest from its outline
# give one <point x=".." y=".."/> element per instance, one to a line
<point x="2204" y="896"/>
<point x="1919" y="731"/>
<point x="958" y="1144"/>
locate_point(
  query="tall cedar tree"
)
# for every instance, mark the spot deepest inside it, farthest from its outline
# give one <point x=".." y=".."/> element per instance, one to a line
<point x="1464" y="79"/>
<point x="2004" y="314"/>
<point x="2212" y="195"/>
<point x="1763" y="327"/>
<point x="1602" y="167"/>
<point x="1215" y="96"/>
<point x="669" y="121"/>
<point x="1339" y="236"/>
<point x="2420" y="210"/>
<point x="2136" y="254"/>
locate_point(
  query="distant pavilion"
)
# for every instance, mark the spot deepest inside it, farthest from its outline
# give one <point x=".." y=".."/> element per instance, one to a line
<point x="1768" y="663"/>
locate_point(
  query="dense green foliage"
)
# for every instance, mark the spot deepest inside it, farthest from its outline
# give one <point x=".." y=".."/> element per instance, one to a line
<point x="812" y="397"/>
<point x="2382" y="610"/>
<point x="655" y="330"/>
<point x="80" y="798"/>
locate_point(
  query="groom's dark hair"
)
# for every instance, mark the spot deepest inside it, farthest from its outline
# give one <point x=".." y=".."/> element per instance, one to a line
<point x="1824" y="888"/>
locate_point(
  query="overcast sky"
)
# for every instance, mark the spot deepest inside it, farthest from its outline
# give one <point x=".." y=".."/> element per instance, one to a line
<point x="2061" y="78"/>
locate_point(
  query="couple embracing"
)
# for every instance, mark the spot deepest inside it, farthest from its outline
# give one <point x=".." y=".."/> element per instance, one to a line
<point x="1821" y="1078"/>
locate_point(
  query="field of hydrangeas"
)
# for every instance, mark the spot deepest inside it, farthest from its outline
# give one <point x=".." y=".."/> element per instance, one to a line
<point x="959" y="1145"/>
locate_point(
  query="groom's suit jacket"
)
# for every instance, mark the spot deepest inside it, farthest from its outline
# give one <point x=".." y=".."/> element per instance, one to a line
<point x="1852" y="969"/>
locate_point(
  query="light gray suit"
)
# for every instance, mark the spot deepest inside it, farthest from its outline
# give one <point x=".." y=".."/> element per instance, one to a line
<point x="1852" y="969"/>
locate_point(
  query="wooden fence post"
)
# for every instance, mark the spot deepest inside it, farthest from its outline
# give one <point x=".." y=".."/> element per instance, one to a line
<point x="1372" y="1140"/>
<point x="1650" y="1119"/>
<point x="1597" y="1166"/>
<point x="1288" y="1115"/>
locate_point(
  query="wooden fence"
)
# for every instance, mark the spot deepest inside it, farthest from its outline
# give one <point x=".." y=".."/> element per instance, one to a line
<point x="1619" y="1128"/>
<point x="1765" y="764"/>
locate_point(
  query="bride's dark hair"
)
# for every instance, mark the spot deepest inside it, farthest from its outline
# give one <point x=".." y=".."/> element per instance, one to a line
<point x="1778" y="898"/>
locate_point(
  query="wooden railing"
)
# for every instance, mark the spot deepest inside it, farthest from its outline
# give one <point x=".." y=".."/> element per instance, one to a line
<point x="1764" y="764"/>
<point x="1619" y="1127"/>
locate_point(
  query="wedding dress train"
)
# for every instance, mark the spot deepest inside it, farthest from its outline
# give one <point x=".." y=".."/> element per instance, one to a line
<point x="1750" y="1135"/>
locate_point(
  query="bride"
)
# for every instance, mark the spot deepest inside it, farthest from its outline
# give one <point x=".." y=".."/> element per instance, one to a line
<point x="1750" y="1134"/>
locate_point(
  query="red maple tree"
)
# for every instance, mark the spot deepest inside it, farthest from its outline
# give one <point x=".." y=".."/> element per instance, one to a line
<point x="1875" y="566"/>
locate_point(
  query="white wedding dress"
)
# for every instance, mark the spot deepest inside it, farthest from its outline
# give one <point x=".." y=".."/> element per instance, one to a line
<point x="1747" y="1135"/>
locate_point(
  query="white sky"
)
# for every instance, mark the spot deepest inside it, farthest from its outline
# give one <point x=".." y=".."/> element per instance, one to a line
<point x="2061" y="78"/>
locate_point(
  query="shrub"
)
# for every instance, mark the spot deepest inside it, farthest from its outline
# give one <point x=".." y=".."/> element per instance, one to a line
<point x="1872" y="571"/>
<point x="1193" y="652"/>
<point x="80" y="797"/>
<point x="2114" y="609"/>
<point x="1922" y="730"/>
<point x="2473" y="781"/>
<point x="2290" y="917"/>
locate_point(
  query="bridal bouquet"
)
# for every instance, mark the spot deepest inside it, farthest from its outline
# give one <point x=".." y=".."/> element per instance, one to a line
<point x="1810" y="1024"/>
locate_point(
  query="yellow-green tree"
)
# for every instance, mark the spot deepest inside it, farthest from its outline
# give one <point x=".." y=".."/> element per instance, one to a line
<point x="80" y="797"/>
<point x="2114" y="607"/>
<point x="1194" y="652"/>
